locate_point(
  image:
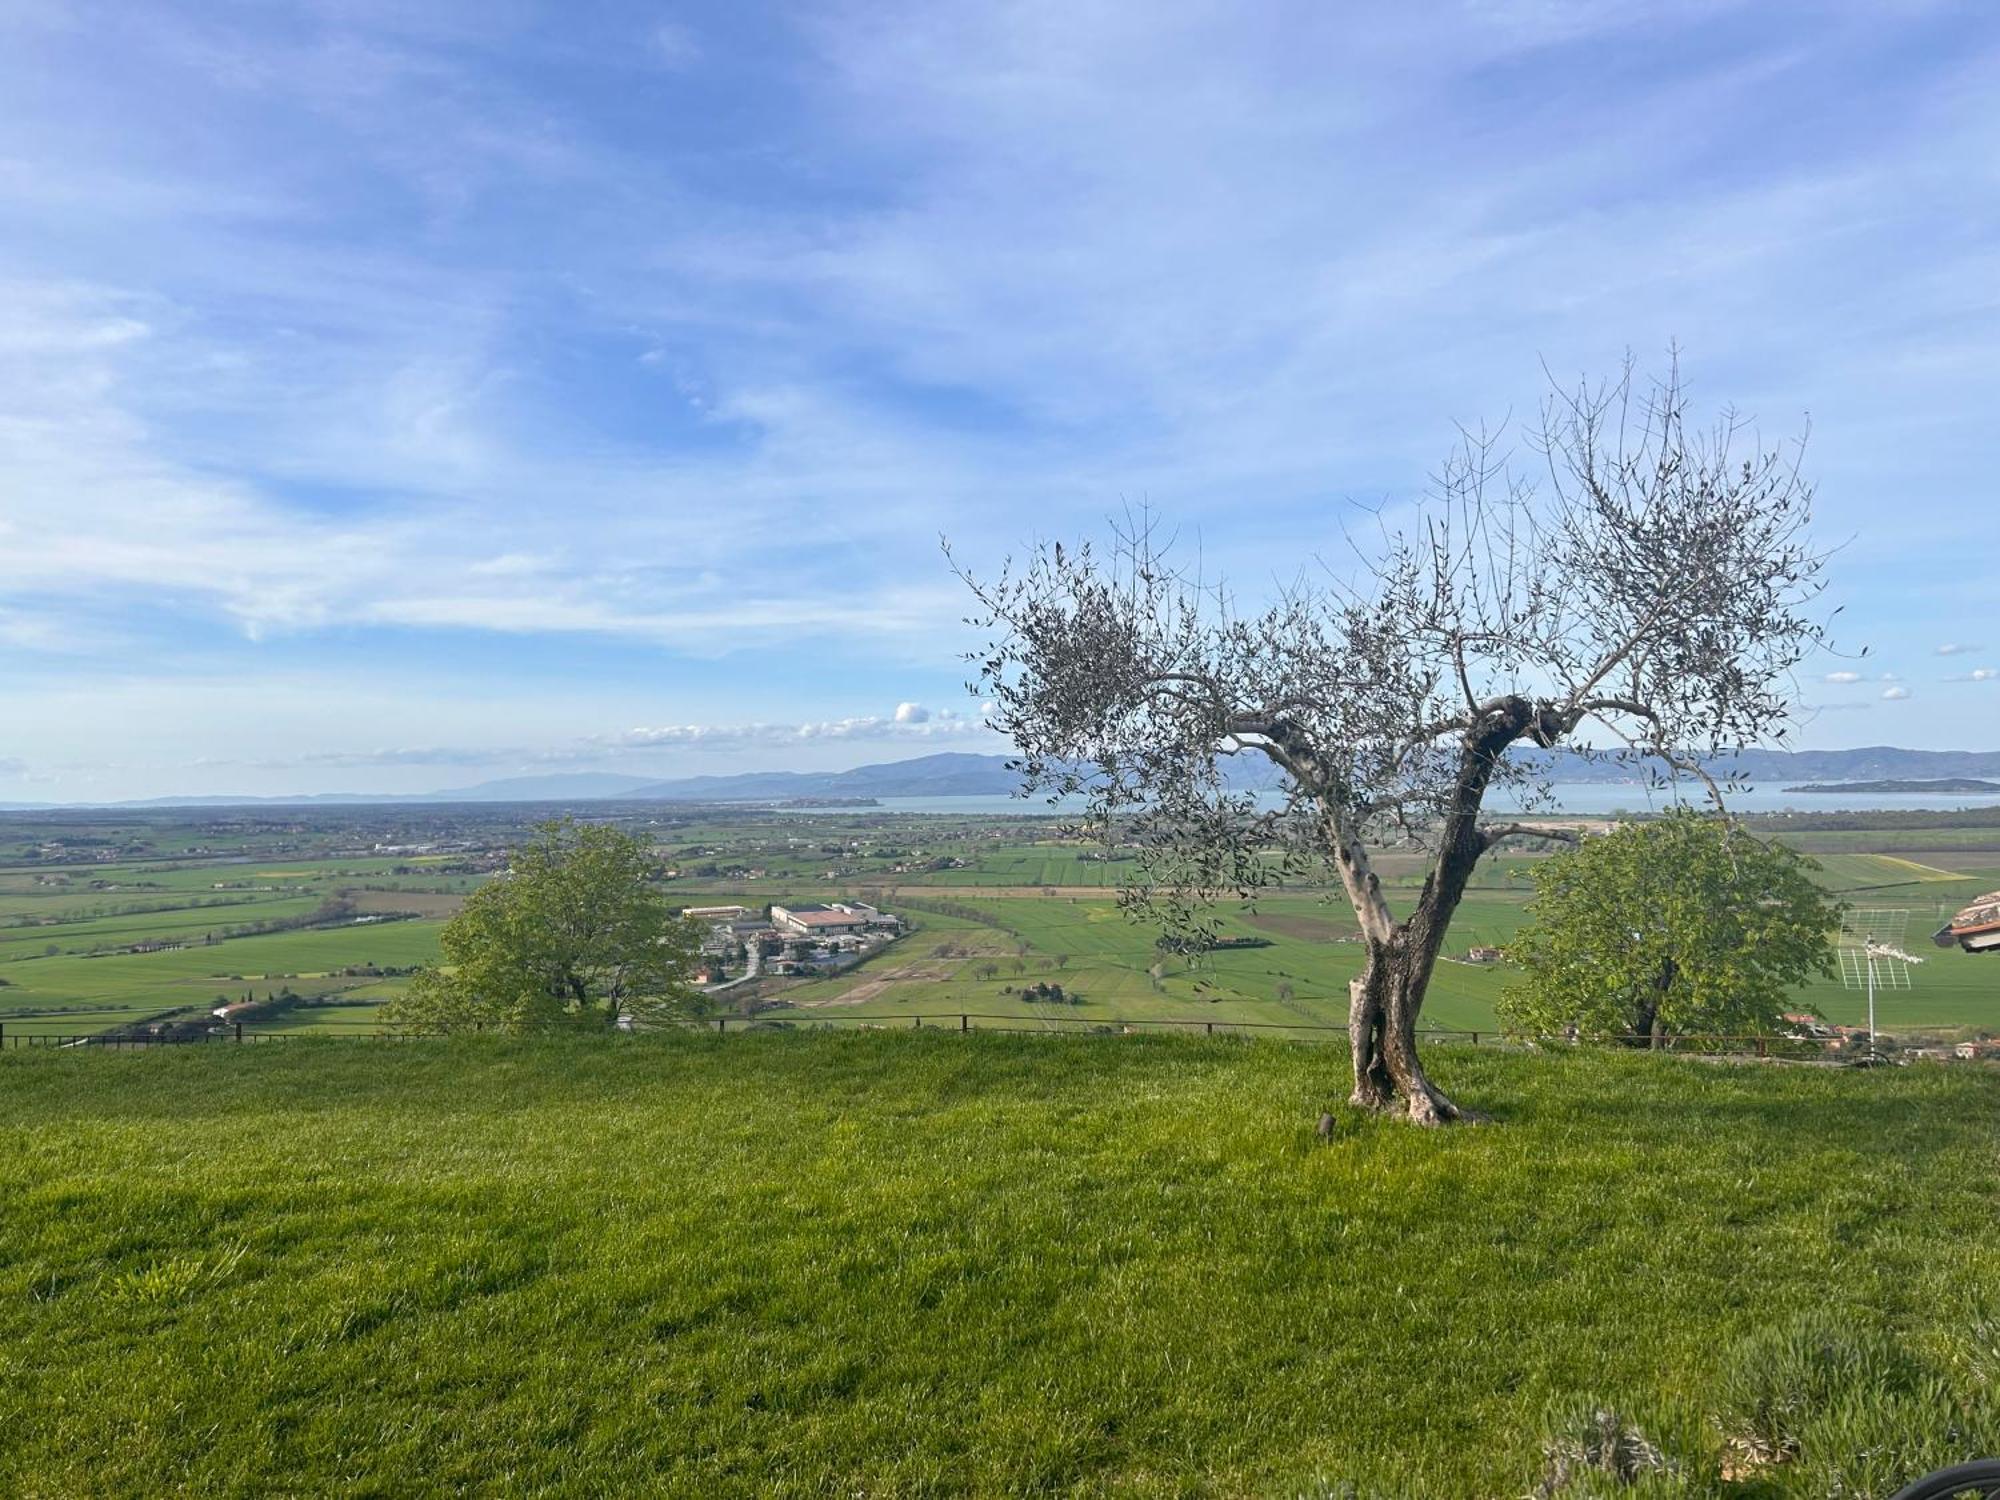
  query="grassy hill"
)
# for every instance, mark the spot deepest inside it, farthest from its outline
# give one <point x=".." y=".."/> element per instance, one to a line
<point x="893" y="1264"/>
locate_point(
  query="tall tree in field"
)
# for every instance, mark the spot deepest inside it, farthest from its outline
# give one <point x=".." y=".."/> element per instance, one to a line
<point x="1684" y="925"/>
<point x="574" y="935"/>
<point x="1644" y="596"/>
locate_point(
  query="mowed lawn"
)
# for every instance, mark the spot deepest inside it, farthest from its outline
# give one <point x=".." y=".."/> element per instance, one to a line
<point x="917" y="1264"/>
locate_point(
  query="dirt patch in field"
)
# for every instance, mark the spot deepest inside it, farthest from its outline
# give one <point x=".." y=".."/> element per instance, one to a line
<point x="921" y="971"/>
<point x="1003" y="892"/>
<point x="1304" y="929"/>
<point x="424" y="903"/>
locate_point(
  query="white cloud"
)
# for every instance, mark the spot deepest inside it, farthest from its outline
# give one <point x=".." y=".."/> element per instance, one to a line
<point x="1984" y="674"/>
<point x="1954" y="649"/>
<point x="434" y="755"/>
<point x="1896" y="694"/>
<point x="1843" y="677"/>
<point x="939" y="724"/>
<point x="911" y="713"/>
<point x="674" y="45"/>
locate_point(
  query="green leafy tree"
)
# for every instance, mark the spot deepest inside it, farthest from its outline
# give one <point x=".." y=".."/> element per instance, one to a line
<point x="573" y="935"/>
<point x="1682" y="925"/>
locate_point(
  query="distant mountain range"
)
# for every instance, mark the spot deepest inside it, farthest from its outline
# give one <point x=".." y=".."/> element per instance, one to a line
<point x="957" y="774"/>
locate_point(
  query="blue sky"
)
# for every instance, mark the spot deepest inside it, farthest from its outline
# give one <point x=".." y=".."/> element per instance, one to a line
<point x="394" y="396"/>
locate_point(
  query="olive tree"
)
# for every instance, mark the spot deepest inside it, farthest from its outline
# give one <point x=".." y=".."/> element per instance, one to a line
<point x="573" y="936"/>
<point x="1680" y="925"/>
<point x="1637" y="586"/>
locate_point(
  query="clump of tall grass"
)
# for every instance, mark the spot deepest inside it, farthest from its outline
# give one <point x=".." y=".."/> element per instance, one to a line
<point x="1839" y="1404"/>
<point x="1781" y="1381"/>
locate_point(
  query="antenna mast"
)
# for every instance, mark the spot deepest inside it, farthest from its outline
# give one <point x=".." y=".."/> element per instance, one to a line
<point x="1872" y="957"/>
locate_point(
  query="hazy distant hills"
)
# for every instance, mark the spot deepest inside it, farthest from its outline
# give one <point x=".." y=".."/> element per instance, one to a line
<point x="958" y="774"/>
<point x="954" y="774"/>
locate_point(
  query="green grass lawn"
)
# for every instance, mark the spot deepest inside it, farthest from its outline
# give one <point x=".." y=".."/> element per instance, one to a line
<point x="934" y="1265"/>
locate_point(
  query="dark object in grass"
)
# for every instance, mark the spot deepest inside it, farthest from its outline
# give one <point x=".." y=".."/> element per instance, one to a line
<point x="1325" y="1127"/>
<point x="1979" y="1481"/>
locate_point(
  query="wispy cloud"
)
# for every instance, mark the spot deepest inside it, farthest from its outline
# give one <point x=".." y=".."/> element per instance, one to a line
<point x="436" y="755"/>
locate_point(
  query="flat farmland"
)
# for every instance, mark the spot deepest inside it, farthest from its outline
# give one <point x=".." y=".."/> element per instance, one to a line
<point x="1071" y="866"/>
<point x="84" y="934"/>
<point x="1092" y="949"/>
<point x="107" y="921"/>
<point x="307" y="962"/>
<point x="1095" y="952"/>
<point x="1034" y="908"/>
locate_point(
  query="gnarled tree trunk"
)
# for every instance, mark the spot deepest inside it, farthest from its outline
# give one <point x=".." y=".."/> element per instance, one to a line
<point x="1386" y="1000"/>
<point x="1384" y="1004"/>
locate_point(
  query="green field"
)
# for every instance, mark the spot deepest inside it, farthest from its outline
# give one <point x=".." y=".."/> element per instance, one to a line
<point x="791" y="1264"/>
<point x="197" y="974"/>
<point x="1041" y="901"/>
<point x="1109" y="957"/>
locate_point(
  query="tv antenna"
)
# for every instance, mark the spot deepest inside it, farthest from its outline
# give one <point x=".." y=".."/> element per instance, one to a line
<point x="1871" y="955"/>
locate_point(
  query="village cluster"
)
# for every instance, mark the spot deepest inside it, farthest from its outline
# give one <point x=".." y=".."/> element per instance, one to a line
<point x="806" y="939"/>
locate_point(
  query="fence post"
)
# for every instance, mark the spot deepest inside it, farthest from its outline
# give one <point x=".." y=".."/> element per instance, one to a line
<point x="964" y="1023"/>
<point x="721" y="1024"/>
<point x="1763" y="1047"/>
<point x="239" y="1031"/>
<point x="917" y="1022"/>
<point x="1211" y="1027"/>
